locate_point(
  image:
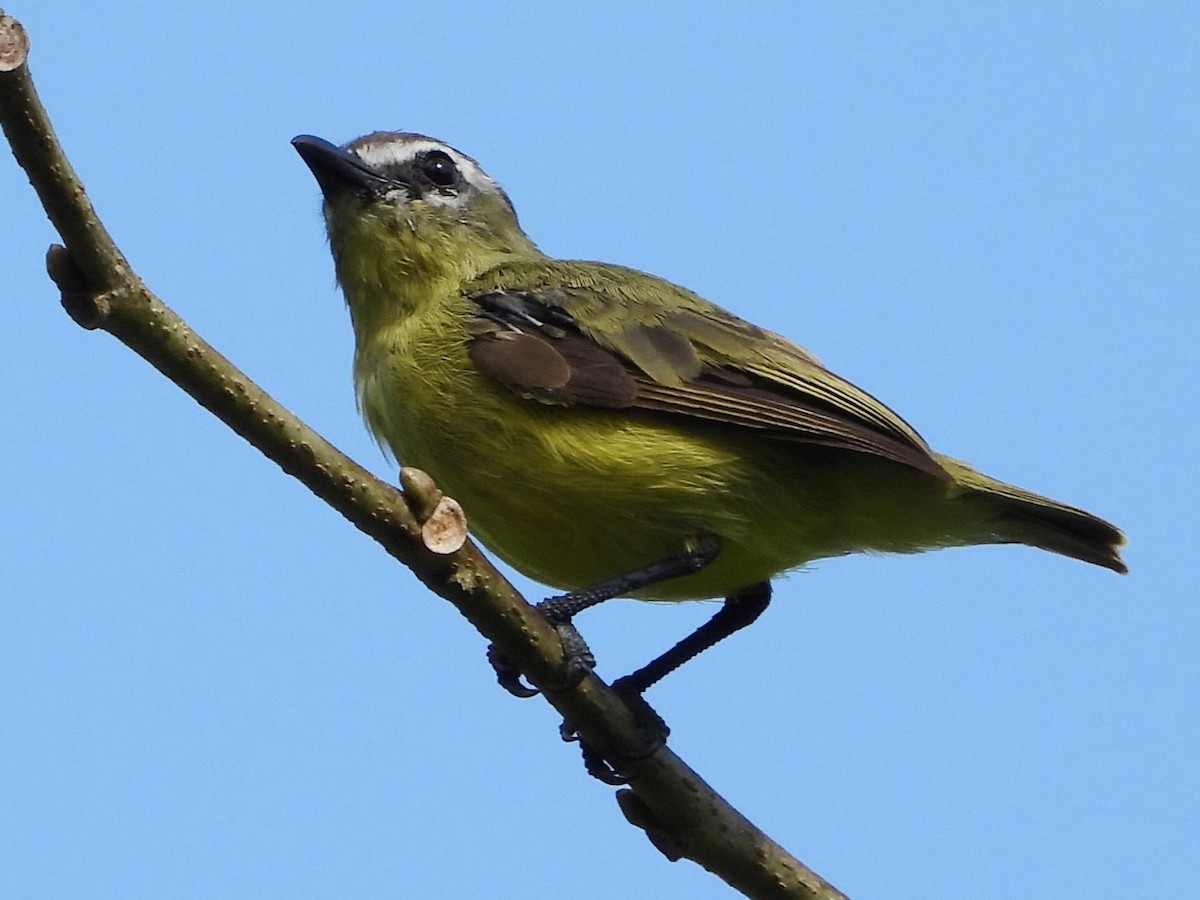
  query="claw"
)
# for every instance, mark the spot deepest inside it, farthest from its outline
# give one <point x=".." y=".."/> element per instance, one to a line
<point x="597" y="766"/>
<point x="508" y="675"/>
<point x="578" y="665"/>
<point x="649" y="722"/>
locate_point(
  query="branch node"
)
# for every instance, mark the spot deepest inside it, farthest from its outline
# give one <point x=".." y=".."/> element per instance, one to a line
<point x="420" y="492"/>
<point x="445" y="531"/>
<point x="14" y="43"/>
<point x="638" y="814"/>
<point x="83" y="303"/>
<point x="443" y="522"/>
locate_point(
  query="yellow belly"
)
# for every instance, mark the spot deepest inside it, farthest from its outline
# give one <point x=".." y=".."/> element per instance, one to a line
<point x="572" y="496"/>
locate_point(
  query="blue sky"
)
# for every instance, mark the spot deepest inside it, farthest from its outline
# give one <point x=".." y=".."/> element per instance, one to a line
<point x="985" y="214"/>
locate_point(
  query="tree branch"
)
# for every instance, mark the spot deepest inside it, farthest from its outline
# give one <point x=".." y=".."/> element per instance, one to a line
<point x="681" y="814"/>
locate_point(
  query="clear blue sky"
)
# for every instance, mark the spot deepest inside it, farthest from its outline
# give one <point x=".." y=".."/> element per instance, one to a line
<point x="985" y="214"/>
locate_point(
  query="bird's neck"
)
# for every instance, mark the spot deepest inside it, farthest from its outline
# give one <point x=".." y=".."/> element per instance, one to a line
<point x="389" y="275"/>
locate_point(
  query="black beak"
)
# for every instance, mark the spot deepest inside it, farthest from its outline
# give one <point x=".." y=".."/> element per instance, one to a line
<point x="337" y="170"/>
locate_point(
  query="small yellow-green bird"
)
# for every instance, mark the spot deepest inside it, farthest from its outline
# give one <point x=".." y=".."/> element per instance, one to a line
<point x="612" y="434"/>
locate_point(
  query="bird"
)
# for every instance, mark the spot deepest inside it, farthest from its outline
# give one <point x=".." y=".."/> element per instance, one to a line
<point x="609" y="433"/>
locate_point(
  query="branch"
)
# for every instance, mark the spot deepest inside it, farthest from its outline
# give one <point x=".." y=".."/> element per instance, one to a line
<point x="420" y="527"/>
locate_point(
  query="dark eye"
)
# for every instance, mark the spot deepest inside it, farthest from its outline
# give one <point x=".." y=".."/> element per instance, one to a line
<point x="439" y="168"/>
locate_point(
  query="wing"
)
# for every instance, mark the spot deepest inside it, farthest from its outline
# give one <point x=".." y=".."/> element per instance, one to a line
<point x="588" y="334"/>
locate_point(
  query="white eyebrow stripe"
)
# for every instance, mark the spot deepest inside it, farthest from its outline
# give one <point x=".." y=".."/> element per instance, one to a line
<point x="383" y="153"/>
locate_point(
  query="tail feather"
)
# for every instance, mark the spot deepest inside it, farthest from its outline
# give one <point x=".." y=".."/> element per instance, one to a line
<point x="1022" y="517"/>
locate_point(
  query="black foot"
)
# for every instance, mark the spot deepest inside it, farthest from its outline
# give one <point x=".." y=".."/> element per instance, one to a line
<point x="597" y="766"/>
<point x="738" y="611"/>
<point x="579" y="658"/>
<point x="508" y="675"/>
<point x="695" y="555"/>
<point x="654" y="732"/>
<point x="579" y="663"/>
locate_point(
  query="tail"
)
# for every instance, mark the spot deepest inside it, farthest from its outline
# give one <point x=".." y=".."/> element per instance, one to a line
<point x="1021" y="517"/>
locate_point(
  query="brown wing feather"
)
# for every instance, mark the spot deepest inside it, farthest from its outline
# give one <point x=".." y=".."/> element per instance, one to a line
<point x="554" y="365"/>
<point x="784" y="417"/>
<point x="566" y="369"/>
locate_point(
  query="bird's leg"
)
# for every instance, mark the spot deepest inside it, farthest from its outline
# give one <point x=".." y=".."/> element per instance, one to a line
<point x="738" y="611"/>
<point x="559" y="611"/>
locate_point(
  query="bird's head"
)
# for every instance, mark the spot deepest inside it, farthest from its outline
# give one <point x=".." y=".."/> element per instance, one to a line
<point x="408" y="215"/>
